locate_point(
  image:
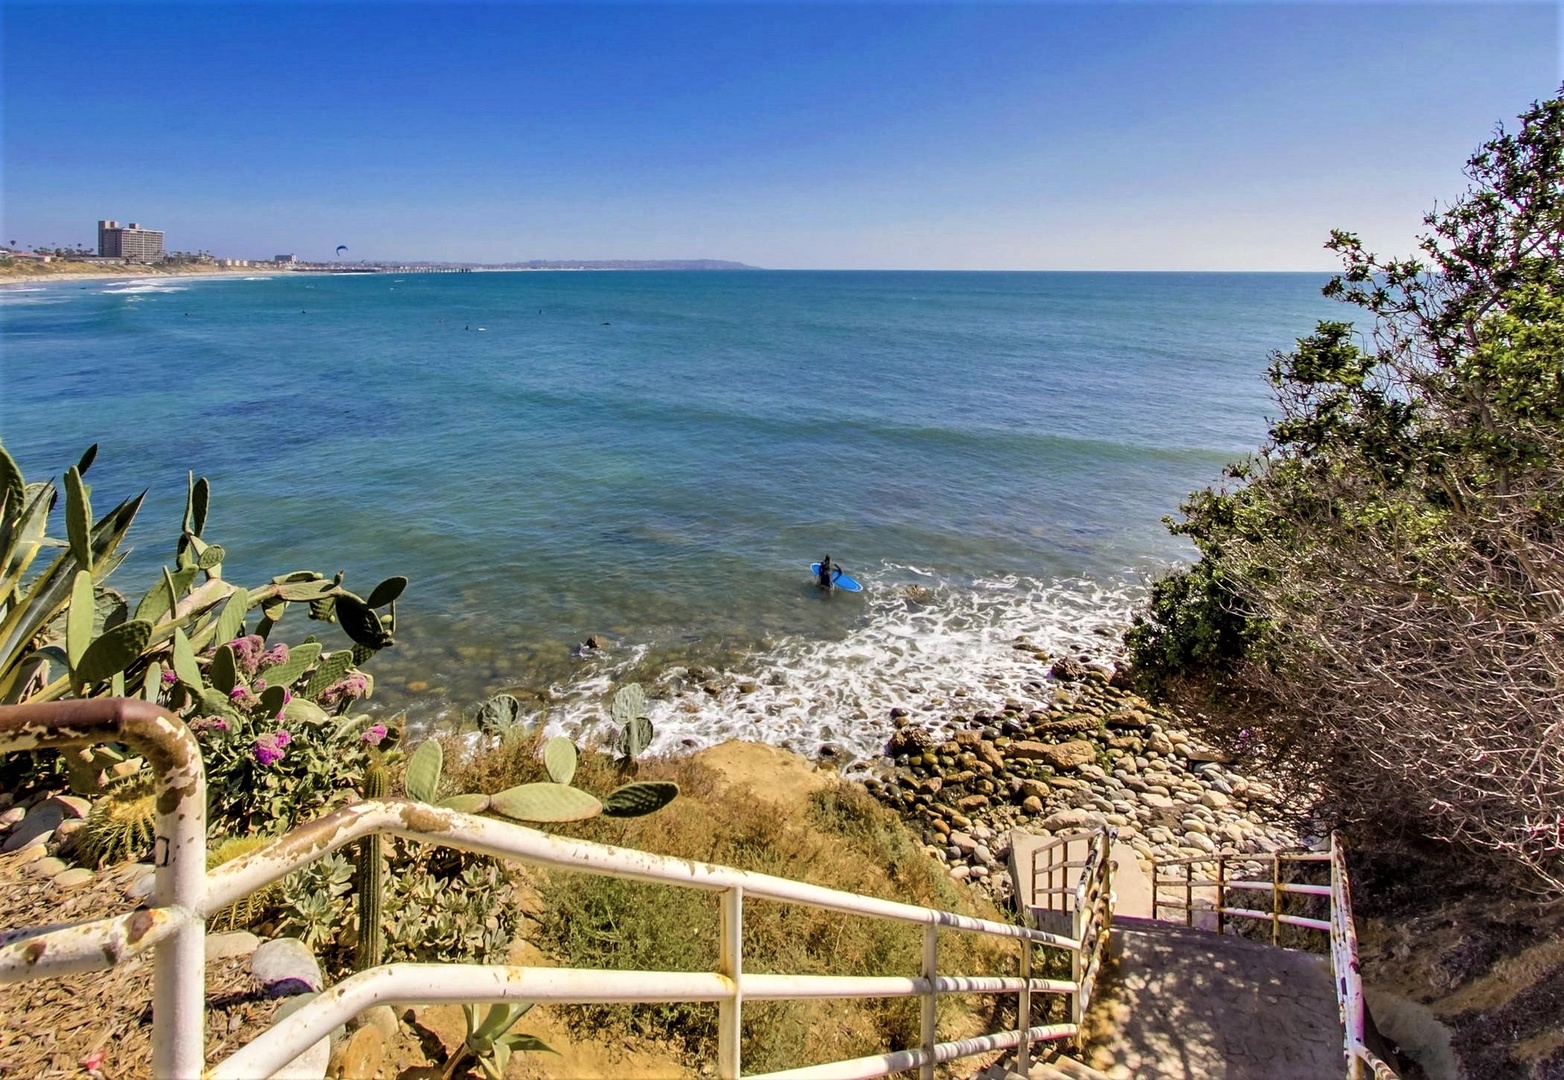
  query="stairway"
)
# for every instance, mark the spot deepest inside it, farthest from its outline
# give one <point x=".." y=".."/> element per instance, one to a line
<point x="1177" y="1003"/>
<point x="1183" y="1004"/>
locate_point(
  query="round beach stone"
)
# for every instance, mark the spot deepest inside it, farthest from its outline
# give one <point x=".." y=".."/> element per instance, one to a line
<point x="224" y="946"/>
<point x="46" y="867"/>
<point x="30" y="854"/>
<point x="74" y="878"/>
<point x="36" y="827"/>
<point x="284" y="966"/>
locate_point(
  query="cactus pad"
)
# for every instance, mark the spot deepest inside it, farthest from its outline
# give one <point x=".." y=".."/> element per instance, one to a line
<point x="466" y="804"/>
<point x="360" y="622"/>
<point x="115" y="651"/>
<point x="224" y="669"/>
<point x="78" y="618"/>
<point x="328" y="671"/>
<point x="387" y="591"/>
<point x="629" y="703"/>
<point x="636" y="737"/>
<point x="640" y="797"/>
<point x="423" y="771"/>
<point x="545" y="802"/>
<point x="185" y="665"/>
<point x="300" y="657"/>
<point x="305" y="590"/>
<point x="559" y="758"/>
<point x="498" y="713"/>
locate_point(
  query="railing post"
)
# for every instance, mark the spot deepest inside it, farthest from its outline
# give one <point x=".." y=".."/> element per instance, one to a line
<point x="1024" y="1010"/>
<point x="1276" y="900"/>
<point x="1078" y="968"/>
<point x="1189" y="894"/>
<point x="731" y="964"/>
<point x="930" y="972"/>
<point x="1221" y="892"/>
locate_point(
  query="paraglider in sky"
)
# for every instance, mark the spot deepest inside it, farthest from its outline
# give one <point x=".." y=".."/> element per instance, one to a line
<point x="341" y="248"/>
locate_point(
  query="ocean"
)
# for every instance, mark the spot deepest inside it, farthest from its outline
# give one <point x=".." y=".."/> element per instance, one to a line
<point x="654" y="459"/>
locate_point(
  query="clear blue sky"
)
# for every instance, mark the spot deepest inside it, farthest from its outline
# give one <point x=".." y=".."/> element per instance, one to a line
<point x="933" y="135"/>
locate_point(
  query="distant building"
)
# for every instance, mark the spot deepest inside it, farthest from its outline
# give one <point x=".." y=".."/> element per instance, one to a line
<point x="285" y="258"/>
<point x="131" y="242"/>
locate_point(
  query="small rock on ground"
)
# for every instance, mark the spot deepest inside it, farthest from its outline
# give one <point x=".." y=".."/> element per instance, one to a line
<point x="284" y="967"/>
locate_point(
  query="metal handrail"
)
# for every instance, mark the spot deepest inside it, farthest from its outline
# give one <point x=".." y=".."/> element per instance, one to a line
<point x="1339" y="926"/>
<point x="1091" y="917"/>
<point x="185" y="894"/>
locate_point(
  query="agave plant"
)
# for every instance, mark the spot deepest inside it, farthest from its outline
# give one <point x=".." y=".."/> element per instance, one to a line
<point x="490" y="1041"/>
<point x="64" y="632"/>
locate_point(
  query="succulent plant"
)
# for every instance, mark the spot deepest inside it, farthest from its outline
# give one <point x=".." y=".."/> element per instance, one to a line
<point x="498" y="714"/>
<point x="121" y="825"/>
<point x="490" y="1041"/>
<point x="545" y="803"/>
<point x="639" y="797"/>
<point x="248" y="910"/>
<point x="559" y="758"/>
<point x="635" y="733"/>
<point x="423" y="771"/>
<point x="369" y="873"/>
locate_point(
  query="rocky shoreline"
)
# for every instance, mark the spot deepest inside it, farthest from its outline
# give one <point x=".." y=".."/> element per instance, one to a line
<point x="1084" y="751"/>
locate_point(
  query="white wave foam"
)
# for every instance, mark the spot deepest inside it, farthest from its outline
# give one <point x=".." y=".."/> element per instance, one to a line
<point x="933" y="651"/>
<point x="133" y="287"/>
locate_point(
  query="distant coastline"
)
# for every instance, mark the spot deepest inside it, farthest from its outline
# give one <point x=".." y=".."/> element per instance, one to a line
<point x="18" y="272"/>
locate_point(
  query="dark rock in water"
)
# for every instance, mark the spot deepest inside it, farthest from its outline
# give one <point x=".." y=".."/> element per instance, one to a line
<point x="898" y="713"/>
<point x="1068" y="670"/>
<point x="913" y="741"/>
<point x="593" y="642"/>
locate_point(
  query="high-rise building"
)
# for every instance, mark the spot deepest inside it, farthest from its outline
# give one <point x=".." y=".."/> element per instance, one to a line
<point x="131" y="242"/>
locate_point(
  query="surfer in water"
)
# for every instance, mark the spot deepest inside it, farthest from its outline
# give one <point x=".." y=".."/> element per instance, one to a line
<point x="828" y="572"/>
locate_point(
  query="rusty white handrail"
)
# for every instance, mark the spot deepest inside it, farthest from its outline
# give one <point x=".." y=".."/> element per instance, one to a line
<point x="1343" y="935"/>
<point x="1344" y="965"/>
<point x="185" y="894"/>
<point x="1091" y="917"/>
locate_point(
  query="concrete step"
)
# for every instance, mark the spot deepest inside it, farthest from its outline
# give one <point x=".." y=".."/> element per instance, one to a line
<point x="1061" y="1068"/>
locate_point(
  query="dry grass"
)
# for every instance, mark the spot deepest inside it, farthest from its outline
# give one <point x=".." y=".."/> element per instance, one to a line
<point x="835" y="836"/>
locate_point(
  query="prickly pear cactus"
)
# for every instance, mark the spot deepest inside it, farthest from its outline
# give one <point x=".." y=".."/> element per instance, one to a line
<point x="559" y="758"/>
<point x="423" y="771"/>
<point x="640" y="797"/>
<point x="629" y="710"/>
<point x="545" y="802"/>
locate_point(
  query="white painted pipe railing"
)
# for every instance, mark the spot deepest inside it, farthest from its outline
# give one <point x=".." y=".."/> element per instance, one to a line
<point x="185" y="894"/>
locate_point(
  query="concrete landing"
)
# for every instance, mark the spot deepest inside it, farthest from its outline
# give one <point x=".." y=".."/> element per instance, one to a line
<point x="1182" y="1004"/>
<point x="1131" y="886"/>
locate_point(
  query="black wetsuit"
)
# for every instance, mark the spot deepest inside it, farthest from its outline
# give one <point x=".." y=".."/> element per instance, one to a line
<point x="828" y="574"/>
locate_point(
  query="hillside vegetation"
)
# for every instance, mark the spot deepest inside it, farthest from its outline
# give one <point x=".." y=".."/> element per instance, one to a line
<point x="1379" y="597"/>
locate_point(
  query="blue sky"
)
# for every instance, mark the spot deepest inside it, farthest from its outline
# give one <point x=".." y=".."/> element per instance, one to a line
<point x="932" y="135"/>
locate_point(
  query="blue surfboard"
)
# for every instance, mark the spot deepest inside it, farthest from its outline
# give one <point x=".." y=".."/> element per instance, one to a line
<point x="841" y="580"/>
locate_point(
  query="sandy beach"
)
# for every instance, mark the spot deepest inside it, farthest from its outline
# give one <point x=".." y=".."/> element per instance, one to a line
<point x="26" y="272"/>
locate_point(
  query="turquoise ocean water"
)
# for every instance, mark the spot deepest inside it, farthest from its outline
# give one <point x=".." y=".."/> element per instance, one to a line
<point x="656" y="457"/>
